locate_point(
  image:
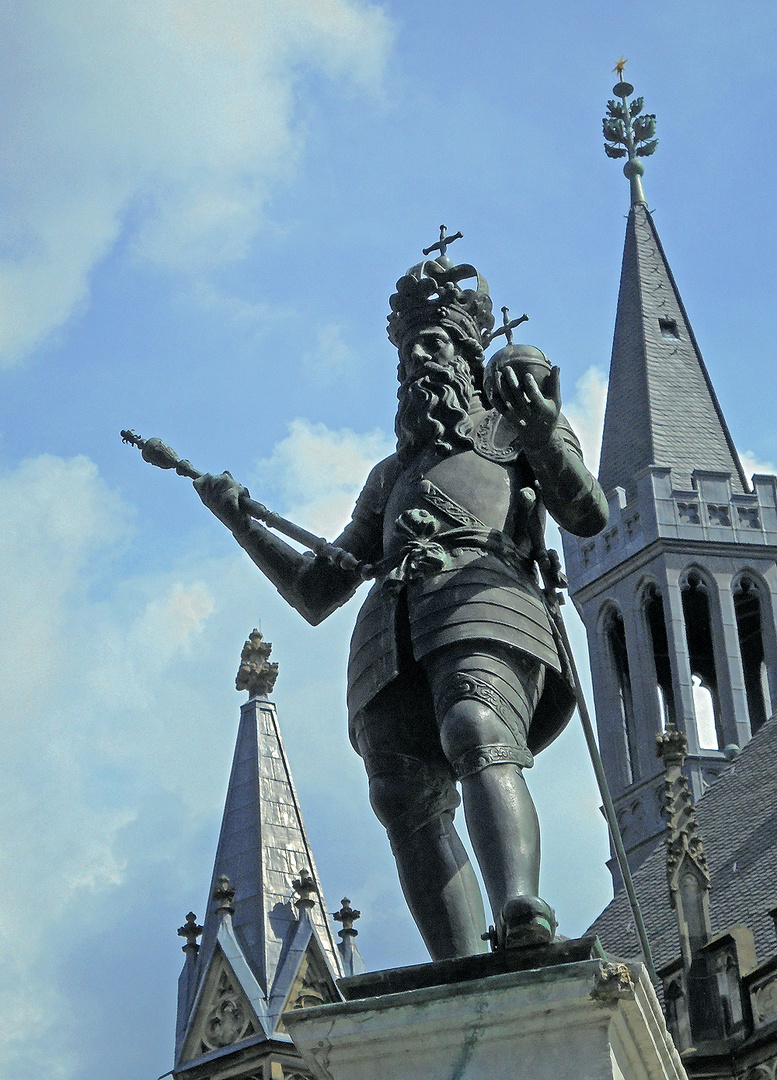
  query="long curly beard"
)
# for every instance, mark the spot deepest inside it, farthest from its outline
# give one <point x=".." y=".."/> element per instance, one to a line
<point x="434" y="410"/>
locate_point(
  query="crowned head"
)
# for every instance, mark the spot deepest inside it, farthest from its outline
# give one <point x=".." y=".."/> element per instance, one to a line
<point x="430" y="297"/>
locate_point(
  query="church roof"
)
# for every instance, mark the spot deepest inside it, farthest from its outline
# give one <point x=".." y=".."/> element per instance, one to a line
<point x="737" y="820"/>
<point x="661" y="406"/>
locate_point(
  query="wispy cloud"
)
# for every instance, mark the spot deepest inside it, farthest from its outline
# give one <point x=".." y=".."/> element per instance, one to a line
<point x="332" y="357"/>
<point x="112" y="701"/>
<point x="752" y="464"/>
<point x="172" y="119"/>
<point x="319" y="472"/>
<point x="585" y="412"/>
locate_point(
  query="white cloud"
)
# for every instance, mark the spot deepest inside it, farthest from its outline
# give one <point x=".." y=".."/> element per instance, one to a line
<point x="321" y="471"/>
<point x="173" y="118"/>
<point x="585" y="412"/>
<point x="752" y="464"/>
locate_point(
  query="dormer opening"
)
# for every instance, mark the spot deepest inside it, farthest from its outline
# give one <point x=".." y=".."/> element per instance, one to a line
<point x="669" y="328"/>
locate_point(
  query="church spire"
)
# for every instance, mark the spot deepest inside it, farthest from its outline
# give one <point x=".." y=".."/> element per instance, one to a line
<point x="673" y="592"/>
<point x="661" y="406"/>
<point x="267" y="941"/>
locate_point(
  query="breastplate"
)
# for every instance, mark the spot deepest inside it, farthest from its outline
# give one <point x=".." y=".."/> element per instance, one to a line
<point x="464" y="489"/>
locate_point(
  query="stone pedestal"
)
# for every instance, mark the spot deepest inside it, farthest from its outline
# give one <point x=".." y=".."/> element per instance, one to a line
<point x="563" y="1012"/>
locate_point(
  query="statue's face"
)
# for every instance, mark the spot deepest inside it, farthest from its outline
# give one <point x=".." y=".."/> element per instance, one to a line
<point x="433" y="344"/>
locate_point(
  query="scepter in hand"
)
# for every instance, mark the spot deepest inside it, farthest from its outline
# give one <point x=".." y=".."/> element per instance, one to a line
<point x="158" y="453"/>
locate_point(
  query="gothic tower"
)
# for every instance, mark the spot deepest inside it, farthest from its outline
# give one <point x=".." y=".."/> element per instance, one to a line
<point x="267" y="942"/>
<point x="678" y="593"/>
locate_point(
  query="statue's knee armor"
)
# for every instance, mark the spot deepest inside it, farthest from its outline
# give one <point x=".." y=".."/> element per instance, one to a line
<point x="468" y="724"/>
<point x="406" y="793"/>
<point x="481" y="757"/>
<point x="484" y="699"/>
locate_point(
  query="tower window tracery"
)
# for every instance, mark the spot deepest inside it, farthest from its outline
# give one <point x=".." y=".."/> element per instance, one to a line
<point x="615" y="632"/>
<point x="747" y="607"/>
<point x="701" y="656"/>
<point x="656" y="622"/>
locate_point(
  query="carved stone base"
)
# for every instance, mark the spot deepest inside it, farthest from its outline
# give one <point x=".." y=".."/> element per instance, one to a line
<point x="571" y="1019"/>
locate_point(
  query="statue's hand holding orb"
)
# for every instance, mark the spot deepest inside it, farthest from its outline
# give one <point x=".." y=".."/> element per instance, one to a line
<point x="521" y="384"/>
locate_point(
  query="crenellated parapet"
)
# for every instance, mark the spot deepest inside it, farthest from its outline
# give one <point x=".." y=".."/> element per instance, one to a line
<point x="710" y="512"/>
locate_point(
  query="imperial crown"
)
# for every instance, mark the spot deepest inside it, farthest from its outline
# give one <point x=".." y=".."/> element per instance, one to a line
<point x="429" y="294"/>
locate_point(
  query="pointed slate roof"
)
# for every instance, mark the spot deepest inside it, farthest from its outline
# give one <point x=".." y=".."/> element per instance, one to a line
<point x="266" y="940"/>
<point x="263" y="845"/>
<point x="661" y="406"/>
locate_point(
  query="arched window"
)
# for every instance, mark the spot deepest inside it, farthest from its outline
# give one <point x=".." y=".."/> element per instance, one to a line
<point x="654" y="615"/>
<point x="747" y="606"/>
<point x="701" y="654"/>
<point x="616" y="640"/>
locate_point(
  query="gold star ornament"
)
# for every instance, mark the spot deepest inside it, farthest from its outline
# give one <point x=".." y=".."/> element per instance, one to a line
<point x="618" y="69"/>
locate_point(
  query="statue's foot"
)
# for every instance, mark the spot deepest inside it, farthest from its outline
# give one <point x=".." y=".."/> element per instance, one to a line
<point x="525" y="921"/>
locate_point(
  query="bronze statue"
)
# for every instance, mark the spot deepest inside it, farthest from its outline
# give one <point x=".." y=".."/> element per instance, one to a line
<point x="457" y="674"/>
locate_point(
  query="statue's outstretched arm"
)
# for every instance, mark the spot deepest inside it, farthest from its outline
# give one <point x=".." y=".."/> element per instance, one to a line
<point x="310" y="584"/>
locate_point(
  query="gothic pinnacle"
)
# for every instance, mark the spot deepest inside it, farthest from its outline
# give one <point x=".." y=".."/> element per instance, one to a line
<point x="347" y="916"/>
<point x="629" y="134"/>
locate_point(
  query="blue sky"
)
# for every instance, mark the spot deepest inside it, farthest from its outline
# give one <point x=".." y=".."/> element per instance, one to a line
<point x="204" y="210"/>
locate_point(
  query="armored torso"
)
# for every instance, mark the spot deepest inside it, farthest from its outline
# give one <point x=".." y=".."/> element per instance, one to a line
<point x="458" y="533"/>
<point x="463" y="489"/>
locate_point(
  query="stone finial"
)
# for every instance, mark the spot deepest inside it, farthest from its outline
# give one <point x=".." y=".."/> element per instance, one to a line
<point x="255" y="674"/>
<point x="191" y="931"/>
<point x="347" y="916"/>
<point x="224" y="894"/>
<point x="306" y="888"/>
<point x="672" y="746"/>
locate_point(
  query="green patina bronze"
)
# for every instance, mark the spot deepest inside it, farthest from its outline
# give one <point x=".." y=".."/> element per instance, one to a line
<point x="629" y="133"/>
